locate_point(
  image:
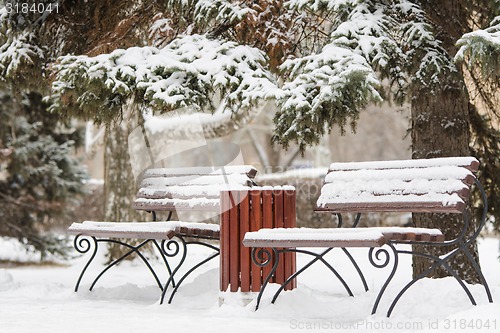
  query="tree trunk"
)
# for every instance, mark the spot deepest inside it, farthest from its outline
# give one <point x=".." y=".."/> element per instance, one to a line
<point x="119" y="182"/>
<point x="440" y="128"/>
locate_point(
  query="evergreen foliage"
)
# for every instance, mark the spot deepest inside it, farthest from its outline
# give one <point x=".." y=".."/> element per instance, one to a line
<point x="325" y="79"/>
<point x="481" y="48"/>
<point x="186" y="72"/>
<point x="321" y="60"/>
<point x="39" y="180"/>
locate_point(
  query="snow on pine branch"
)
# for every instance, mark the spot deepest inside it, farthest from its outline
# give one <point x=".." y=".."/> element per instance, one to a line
<point x="187" y="72"/>
<point x="219" y="10"/>
<point x="366" y="31"/>
<point x="428" y="63"/>
<point x="17" y="51"/>
<point x="365" y="27"/>
<point x="325" y="88"/>
<point x="482" y="47"/>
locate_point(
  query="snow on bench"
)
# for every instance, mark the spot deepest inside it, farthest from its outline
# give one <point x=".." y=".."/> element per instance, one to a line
<point x="338" y="237"/>
<point x="144" y="230"/>
<point x="439" y="185"/>
<point x="248" y="170"/>
<point x="198" y="188"/>
<point x="307" y="237"/>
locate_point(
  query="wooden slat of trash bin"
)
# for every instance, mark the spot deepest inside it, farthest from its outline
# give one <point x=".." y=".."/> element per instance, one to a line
<point x="243" y="211"/>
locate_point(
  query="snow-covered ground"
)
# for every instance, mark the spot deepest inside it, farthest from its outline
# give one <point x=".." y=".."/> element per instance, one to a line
<point x="41" y="299"/>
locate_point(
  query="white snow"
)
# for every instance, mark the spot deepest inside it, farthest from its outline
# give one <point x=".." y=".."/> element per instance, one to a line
<point x="396" y="181"/>
<point x="305" y="173"/>
<point x="293" y="234"/>
<point x="215" y="170"/>
<point x="41" y="299"/>
<point x="139" y="226"/>
<point x="347" y="232"/>
<point x="121" y="227"/>
<point x="180" y="74"/>
<point x="236" y="179"/>
<point x="193" y="202"/>
<point x="399" y="164"/>
<point x="478" y="42"/>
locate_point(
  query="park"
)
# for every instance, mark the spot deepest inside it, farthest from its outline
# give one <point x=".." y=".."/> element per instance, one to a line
<point x="249" y="165"/>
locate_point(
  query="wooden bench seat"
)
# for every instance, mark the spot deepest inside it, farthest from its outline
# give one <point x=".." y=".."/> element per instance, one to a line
<point x="145" y="230"/>
<point x="440" y="185"/>
<point x="338" y="237"/>
<point x="302" y="237"/>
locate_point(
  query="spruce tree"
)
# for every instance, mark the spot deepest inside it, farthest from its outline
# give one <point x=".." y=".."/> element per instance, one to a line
<point x="40" y="179"/>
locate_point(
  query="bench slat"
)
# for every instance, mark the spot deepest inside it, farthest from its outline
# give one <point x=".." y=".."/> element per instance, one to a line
<point x="197" y="204"/>
<point x="397" y="187"/>
<point x="434" y="173"/>
<point x="145" y="230"/>
<point x="247" y="170"/>
<point x="190" y="189"/>
<point x="156" y="182"/>
<point x="467" y="162"/>
<point x="339" y="237"/>
<point x="141" y="230"/>
<point x="187" y="192"/>
<point x="290" y="238"/>
<point x="314" y="243"/>
<point x="402" y="207"/>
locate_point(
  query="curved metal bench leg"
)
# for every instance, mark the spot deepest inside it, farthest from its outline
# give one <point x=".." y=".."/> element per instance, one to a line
<point x="165" y="261"/>
<point x="298" y="272"/>
<point x="479" y="273"/>
<point x="437" y="263"/>
<point x="263" y="257"/>
<point x="355" y="264"/>
<point x="133" y="249"/>
<point x="192" y="269"/>
<point x="460" y="282"/>
<point x="383" y="265"/>
<point x="169" y="252"/>
<point x="318" y="257"/>
<point x="421" y="276"/>
<point x="83" y="245"/>
<point x="440" y="261"/>
<point x="347" y="253"/>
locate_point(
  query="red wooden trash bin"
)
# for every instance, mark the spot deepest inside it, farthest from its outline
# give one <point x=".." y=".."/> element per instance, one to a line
<point x="251" y="210"/>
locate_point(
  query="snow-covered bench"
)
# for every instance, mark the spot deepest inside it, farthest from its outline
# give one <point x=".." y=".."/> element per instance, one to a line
<point x="166" y="190"/>
<point x="440" y="185"/>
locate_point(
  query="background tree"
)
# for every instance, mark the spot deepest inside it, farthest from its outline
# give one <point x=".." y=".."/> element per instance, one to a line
<point x="40" y="180"/>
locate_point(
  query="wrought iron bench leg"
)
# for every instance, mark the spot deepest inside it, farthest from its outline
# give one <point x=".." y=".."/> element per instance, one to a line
<point x="171" y="248"/>
<point x="421" y="276"/>
<point x="373" y="258"/>
<point x="83" y="245"/>
<point x="317" y="257"/>
<point x="347" y="253"/>
<point x="480" y="274"/>
<point x="355" y="264"/>
<point x="263" y="257"/>
<point x="192" y="269"/>
<point x="133" y="249"/>
<point x="438" y="262"/>
<point x="165" y="261"/>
